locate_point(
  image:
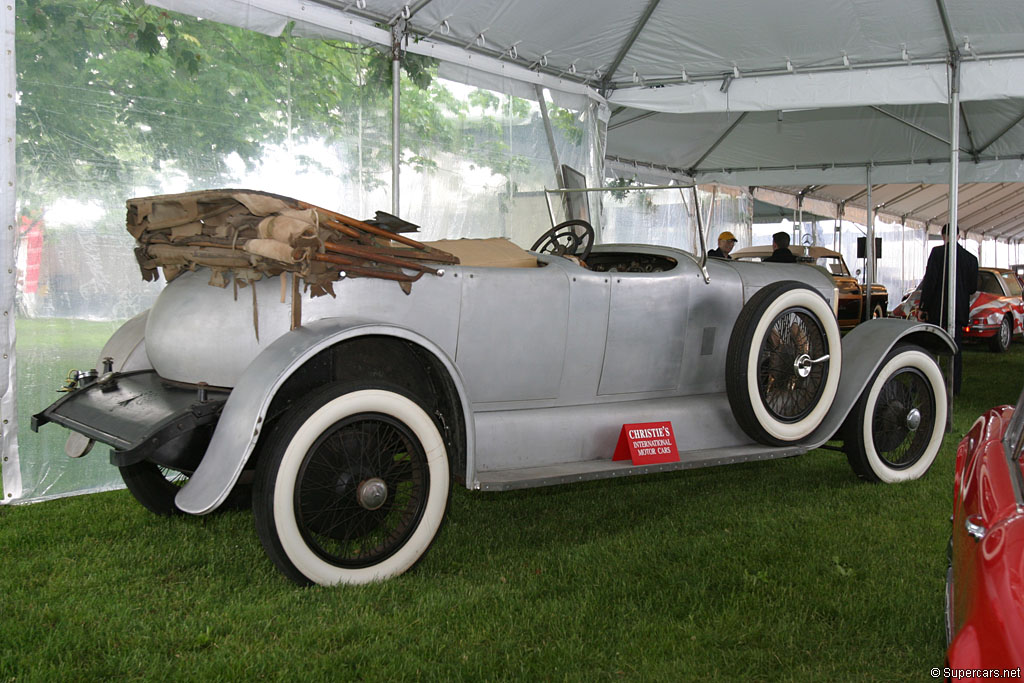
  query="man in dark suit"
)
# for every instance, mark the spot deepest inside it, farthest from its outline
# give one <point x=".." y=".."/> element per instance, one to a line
<point x="780" y="249"/>
<point x="933" y="294"/>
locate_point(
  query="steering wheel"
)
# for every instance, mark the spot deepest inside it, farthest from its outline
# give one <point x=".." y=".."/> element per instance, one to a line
<point x="564" y="240"/>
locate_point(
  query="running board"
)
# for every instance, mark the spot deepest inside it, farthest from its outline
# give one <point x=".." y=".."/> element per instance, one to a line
<point x="590" y="470"/>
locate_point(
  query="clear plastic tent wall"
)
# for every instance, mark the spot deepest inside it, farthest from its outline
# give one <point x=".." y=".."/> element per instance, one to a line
<point x="112" y="107"/>
<point x="900" y="266"/>
<point x="636" y="213"/>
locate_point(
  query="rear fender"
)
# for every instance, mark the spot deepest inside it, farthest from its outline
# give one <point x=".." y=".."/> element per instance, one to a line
<point x="864" y="349"/>
<point x="241" y="422"/>
<point x="127" y="346"/>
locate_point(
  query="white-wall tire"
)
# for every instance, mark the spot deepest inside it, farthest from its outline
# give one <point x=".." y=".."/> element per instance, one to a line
<point x="756" y="405"/>
<point x="316" y="462"/>
<point x="897" y="425"/>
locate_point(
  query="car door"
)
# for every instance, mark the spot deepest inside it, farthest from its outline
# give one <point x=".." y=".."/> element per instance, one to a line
<point x="512" y="332"/>
<point x="647" y="320"/>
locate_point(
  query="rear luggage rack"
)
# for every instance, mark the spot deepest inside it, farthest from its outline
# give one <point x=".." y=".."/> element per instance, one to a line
<point x="141" y="416"/>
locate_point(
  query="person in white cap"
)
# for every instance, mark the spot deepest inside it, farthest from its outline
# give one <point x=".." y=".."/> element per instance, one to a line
<point x="726" y="242"/>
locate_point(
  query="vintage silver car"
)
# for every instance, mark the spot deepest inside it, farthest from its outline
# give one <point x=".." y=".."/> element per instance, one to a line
<point x="353" y="414"/>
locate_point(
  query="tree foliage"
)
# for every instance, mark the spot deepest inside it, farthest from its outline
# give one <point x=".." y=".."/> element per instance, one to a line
<point x="114" y="93"/>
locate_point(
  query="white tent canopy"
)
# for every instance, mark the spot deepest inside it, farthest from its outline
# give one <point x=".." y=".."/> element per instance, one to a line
<point x="795" y="94"/>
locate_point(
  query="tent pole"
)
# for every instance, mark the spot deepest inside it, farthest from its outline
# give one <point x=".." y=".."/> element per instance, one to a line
<point x="903" y="253"/>
<point x="953" y="232"/>
<point x="550" y="133"/>
<point x="800" y="205"/>
<point x="840" y="214"/>
<point x="397" y="32"/>
<point x="11" y="469"/>
<point x="869" y="251"/>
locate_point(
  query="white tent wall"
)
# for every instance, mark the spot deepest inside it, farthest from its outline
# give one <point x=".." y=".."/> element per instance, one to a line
<point x="12" y="486"/>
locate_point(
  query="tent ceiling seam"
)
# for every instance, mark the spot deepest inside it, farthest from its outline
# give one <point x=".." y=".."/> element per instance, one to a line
<point x="1016" y="224"/>
<point x="906" y="195"/>
<point x="921" y="207"/>
<point x="641" y="117"/>
<point x="854" y="197"/>
<point x="1016" y="230"/>
<point x="1002" y="133"/>
<point x="1006" y="211"/>
<point x="628" y="44"/>
<point x="973" y="151"/>
<point x="717" y="142"/>
<point x="982" y="195"/>
<point x="916" y="127"/>
<point x="938" y="200"/>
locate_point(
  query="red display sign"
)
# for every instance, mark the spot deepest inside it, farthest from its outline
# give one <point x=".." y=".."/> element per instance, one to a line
<point x="647" y="443"/>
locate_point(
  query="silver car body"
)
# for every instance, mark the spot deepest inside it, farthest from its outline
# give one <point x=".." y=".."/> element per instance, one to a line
<point x="548" y="363"/>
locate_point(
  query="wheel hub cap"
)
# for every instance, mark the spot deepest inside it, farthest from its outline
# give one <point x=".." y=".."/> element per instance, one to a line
<point x="913" y="419"/>
<point x="802" y="365"/>
<point x="372" y="493"/>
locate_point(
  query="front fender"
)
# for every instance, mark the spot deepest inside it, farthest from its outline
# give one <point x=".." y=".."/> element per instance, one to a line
<point x="864" y="348"/>
<point x="240" y="423"/>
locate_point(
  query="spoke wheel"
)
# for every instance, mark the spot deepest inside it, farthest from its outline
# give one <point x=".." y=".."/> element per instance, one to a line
<point x="783" y="362"/>
<point x="351" y="487"/>
<point x="361" y="491"/>
<point x="905" y="402"/>
<point x="786" y="391"/>
<point x="153" y="486"/>
<point x="896" y="427"/>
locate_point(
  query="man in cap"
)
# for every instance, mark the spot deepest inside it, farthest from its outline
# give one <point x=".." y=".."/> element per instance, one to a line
<point x="726" y="242"/>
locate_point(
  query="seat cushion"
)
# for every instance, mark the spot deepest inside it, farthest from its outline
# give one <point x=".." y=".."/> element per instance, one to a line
<point x="493" y="252"/>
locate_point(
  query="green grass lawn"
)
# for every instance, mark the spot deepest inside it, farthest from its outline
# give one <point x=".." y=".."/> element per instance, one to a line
<point x="790" y="570"/>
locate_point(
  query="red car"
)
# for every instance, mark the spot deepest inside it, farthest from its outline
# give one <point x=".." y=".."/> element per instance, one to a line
<point x="985" y="581"/>
<point x="997" y="308"/>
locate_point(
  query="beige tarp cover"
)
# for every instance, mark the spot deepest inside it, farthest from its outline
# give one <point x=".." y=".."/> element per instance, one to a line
<point x="249" y="235"/>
